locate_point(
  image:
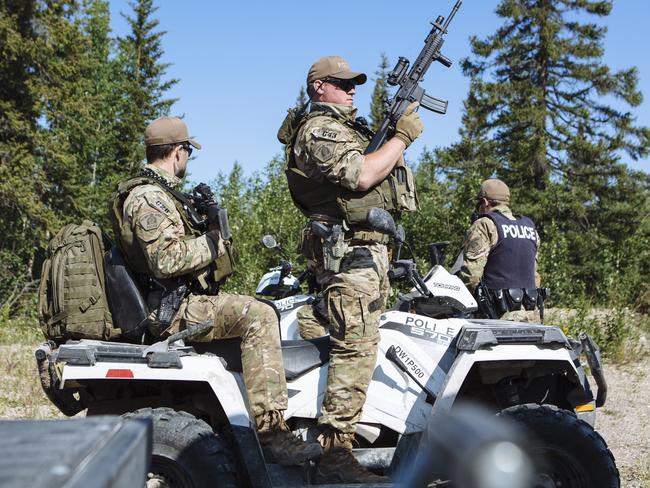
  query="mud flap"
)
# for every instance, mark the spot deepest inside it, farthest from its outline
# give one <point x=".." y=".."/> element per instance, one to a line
<point x="592" y="352"/>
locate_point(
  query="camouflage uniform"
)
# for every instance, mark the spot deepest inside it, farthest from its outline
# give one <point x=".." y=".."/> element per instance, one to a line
<point x="327" y="148"/>
<point x="170" y="251"/>
<point x="310" y="325"/>
<point x="481" y="237"/>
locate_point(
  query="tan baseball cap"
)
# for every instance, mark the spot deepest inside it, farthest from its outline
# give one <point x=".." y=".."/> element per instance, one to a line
<point x="334" y="67"/>
<point x="168" y="130"/>
<point x="494" y="189"/>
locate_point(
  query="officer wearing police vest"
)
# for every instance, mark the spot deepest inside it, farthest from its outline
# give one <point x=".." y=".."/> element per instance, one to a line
<point x="500" y="254"/>
<point x="158" y="233"/>
<point x="334" y="183"/>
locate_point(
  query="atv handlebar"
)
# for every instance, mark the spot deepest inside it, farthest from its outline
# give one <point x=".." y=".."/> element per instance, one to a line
<point x="406" y="269"/>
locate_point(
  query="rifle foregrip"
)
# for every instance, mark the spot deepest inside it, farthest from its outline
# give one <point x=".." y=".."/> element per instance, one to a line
<point x="375" y="143"/>
<point x="445" y="61"/>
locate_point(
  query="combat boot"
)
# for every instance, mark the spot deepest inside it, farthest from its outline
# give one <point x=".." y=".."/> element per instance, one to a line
<point x="338" y="465"/>
<point x="279" y="445"/>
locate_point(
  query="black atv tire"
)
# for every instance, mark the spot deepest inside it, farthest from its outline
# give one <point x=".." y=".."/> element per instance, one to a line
<point x="186" y="452"/>
<point x="566" y="451"/>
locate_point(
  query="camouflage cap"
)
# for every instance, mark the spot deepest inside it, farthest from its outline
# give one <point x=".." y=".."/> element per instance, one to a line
<point x="494" y="189"/>
<point x="168" y="130"/>
<point x="334" y="67"/>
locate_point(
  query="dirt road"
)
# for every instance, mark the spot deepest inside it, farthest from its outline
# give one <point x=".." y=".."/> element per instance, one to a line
<point x="624" y="421"/>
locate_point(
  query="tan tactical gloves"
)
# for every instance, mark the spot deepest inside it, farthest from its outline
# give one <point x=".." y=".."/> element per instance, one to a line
<point x="409" y="125"/>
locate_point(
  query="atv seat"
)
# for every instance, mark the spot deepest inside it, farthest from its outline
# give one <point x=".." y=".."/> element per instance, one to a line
<point x="299" y="357"/>
<point x="302" y="356"/>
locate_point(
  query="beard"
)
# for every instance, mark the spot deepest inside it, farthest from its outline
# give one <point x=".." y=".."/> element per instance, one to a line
<point x="180" y="170"/>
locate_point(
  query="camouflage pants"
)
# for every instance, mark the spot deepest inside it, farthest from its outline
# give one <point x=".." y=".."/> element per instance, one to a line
<point x="309" y="324"/>
<point x="355" y="298"/>
<point x="257" y="325"/>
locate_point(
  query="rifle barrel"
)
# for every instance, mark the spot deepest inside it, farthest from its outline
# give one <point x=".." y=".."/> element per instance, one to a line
<point x="451" y="15"/>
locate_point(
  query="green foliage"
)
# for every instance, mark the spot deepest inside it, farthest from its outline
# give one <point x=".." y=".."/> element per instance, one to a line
<point x="72" y="109"/>
<point x="537" y="116"/>
<point x="301" y="99"/>
<point x="379" y="95"/>
<point x="440" y="218"/>
<point x="74" y="103"/>
<point x="613" y="329"/>
<point x="258" y="205"/>
<point x="142" y="82"/>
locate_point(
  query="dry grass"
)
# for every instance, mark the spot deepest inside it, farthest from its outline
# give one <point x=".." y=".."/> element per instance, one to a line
<point x="21" y="395"/>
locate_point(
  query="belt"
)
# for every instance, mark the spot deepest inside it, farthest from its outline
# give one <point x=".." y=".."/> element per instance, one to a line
<point x="360" y="236"/>
<point x="366" y="236"/>
<point x="325" y="219"/>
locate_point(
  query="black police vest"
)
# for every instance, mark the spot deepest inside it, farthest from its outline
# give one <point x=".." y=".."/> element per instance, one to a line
<point x="511" y="263"/>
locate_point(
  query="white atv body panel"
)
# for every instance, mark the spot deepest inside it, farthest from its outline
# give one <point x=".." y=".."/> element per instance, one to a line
<point x="273" y="278"/>
<point x="228" y="386"/>
<point x="438" y="280"/>
<point x="288" y="308"/>
<point x="442" y="283"/>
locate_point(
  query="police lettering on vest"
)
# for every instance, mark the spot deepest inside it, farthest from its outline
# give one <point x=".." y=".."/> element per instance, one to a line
<point x="511" y="262"/>
<point x="519" y="231"/>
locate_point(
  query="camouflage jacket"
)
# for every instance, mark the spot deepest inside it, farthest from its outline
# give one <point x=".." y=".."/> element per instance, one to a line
<point x="327" y="148"/>
<point x="169" y="248"/>
<point x="481" y="237"/>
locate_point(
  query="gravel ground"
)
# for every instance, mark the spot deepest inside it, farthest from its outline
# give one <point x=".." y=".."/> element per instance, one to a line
<point x="624" y="420"/>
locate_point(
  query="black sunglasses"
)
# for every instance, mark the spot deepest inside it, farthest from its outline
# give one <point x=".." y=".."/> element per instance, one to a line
<point x="345" y="85"/>
<point x="188" y="148"/>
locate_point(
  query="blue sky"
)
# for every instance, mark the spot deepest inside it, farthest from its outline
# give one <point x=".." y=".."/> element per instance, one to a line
<point x="241" y="64"/>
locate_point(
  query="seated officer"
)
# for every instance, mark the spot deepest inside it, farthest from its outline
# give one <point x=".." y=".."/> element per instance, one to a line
<point x="500" y="249"/>
<point x="158" y="234"/>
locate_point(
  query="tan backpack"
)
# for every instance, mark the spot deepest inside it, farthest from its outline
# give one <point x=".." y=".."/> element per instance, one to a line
<point x="72" y="298"/>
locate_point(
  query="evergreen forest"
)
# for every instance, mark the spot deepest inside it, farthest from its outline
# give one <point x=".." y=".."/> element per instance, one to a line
<point x="74" y="102"/>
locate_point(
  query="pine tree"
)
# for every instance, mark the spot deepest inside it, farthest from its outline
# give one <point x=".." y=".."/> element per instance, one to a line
<point x="98" y="150"/>
<point x="539" y="81"/>
<point x="78" y="136"/>
<point x="301" y="99"/>
<point x="537" y="116"/>
<point x="379" y="95"/>
<point x="24" y="216"/>
<point x="143" y="82"/>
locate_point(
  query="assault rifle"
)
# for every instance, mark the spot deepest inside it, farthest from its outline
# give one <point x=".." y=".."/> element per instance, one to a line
<point x="410" y="90"/>
<point x="205" y="204"/>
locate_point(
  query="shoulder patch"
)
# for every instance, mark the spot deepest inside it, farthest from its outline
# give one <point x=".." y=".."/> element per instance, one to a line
<point x="151" y="220"/>
<point x="328" y="133"/>
<point x="324" y="151"/>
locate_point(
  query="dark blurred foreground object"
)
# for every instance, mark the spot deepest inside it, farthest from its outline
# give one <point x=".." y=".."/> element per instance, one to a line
<point x="95" y="452"/>
<point x="472" y="448"/>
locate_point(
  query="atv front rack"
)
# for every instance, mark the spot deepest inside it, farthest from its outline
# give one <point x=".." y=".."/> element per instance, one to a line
<point x="503" y="332"/>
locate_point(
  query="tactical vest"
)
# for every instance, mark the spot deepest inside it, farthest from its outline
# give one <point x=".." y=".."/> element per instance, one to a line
<point x="131" y="248"/>
<point x="511" y="262"/>
<point x="396" y="193"/>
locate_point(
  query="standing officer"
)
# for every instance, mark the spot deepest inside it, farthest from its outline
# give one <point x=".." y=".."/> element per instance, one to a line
<point x="157" y="232"/>
<point x="500" y="250"/>
<point x="332" y="182"/>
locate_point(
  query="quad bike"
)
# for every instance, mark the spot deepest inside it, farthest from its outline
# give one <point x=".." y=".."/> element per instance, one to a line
<point x="430" y="361"/>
